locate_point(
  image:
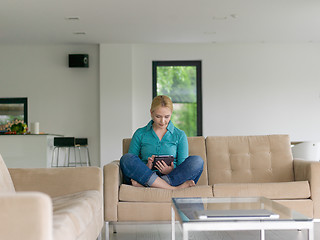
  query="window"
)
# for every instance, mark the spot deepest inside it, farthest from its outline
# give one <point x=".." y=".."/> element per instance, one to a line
<point x="181" y="81"/>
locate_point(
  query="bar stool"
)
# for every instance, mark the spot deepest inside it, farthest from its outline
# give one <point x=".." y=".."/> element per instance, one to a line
<point x="62" y="152"/>
<point x="82" y="145"/>
<point x="70" y="152"/>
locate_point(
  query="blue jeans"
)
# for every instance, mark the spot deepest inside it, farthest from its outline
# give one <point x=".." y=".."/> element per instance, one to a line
<point x="133" y="168"/>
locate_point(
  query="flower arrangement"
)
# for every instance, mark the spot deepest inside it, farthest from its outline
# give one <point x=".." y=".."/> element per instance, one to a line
<point x="16" y="127"/>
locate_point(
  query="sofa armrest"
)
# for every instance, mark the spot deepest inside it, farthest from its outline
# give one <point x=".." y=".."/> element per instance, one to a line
<point x="310" y="171"/>
<point x="57" y="181"/>
<point x="112" y="180"/>
<point x="26" y="216"/>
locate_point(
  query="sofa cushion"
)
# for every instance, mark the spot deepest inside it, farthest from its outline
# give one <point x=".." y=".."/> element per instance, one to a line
<point x="147" y="194"/>
<point x="73" y="213"/>
<point x="303" y="206"/>
<point x="6" y="184"/>
<point x="283" y="190"/>
<point x="197" y="146"/>
<point x="142" y="211"/>
<point x="245" y="159"/>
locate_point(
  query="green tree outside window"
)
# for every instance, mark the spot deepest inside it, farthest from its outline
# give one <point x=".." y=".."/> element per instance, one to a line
<point x="180" y="84"/>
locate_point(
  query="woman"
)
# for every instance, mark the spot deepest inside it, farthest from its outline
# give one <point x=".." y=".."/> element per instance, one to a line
<point x="160" y="137"/>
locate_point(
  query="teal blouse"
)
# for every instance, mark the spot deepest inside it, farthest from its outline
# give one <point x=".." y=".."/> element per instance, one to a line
<point x="146" y="143"/>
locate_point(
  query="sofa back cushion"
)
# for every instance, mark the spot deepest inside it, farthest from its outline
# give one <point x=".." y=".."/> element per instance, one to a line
<point x="249" y="159"/>
<point x="6" y="184"/>
<point x="196" y="147"/>
<point x="125" y="145"/>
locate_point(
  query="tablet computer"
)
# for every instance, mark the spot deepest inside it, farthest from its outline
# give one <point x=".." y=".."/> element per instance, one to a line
<point x="239" y="214"/>
<point x="168" y="159"/>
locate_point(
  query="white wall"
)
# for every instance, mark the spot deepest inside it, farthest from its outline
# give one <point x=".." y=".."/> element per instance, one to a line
<point x="64" y="100"/>
<point x="247" y="88"/>
<point x="115" y="99"/>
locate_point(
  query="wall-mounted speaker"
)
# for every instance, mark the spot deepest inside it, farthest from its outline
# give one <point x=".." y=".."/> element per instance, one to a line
<point x="78" y="60"/>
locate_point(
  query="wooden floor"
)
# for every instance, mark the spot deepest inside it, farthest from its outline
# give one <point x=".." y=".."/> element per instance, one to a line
<point x="138" y="231"/>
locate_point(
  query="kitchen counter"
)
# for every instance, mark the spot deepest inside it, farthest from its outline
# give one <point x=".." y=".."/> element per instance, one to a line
<point x="27" y="151"/>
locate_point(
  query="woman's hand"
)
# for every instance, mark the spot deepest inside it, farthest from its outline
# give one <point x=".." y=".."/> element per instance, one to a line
<point x="164" y="168"/>
<point x="150" y="161"/>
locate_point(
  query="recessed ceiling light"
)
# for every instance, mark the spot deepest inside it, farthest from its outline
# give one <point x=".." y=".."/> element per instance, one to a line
<point x="73" y="18"/>
<point x="79" y="33"/>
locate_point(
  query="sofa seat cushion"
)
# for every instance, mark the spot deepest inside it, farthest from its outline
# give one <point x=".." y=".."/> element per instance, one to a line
<point x="130" y="193"/>
<point x="144" y="211"/>
<point x="73" y="213"/>
<point x="304" y="206"/>
<point x="281" y="190"/>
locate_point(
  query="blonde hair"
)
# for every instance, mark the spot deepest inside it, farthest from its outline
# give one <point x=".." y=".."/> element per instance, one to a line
<point x="161" y="101"/>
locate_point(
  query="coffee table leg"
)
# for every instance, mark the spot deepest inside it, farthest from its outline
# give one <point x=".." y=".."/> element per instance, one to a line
<point x="310" y="234"/>
<point x="185" y="234"/>
<point x="262" y="234"/>
<point x="173" y="229"/>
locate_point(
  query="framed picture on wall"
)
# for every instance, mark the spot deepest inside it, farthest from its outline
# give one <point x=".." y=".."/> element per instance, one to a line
<point x="13" y="110"/>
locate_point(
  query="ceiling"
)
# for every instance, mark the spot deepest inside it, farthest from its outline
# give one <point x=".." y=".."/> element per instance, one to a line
<point x="159" y="21"/>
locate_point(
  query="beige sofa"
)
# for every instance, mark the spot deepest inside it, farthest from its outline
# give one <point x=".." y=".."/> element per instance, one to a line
<point x="235" y="166"/>
<point x="50" y="204"/>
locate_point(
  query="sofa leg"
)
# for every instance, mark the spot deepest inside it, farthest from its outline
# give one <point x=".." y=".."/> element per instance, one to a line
<point x="114" y="229"/>
<point x="106" y="231"/>
<point x="104" y="235"/>
<point x="100" y="236"/>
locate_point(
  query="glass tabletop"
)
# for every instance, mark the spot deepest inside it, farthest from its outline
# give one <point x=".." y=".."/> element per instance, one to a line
<point x="234" y="209"/>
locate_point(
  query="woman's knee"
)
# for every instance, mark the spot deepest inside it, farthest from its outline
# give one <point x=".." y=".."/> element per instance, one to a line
<point x="126" y="159"/>
<point x="197" y="161"/>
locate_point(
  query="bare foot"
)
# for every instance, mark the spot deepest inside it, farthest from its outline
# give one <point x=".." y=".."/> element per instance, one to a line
<point x="136" y="184"/>
<point x="186" y="184"/>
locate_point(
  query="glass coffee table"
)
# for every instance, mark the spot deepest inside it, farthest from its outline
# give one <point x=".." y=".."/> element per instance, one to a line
<point x="226" y="214"/>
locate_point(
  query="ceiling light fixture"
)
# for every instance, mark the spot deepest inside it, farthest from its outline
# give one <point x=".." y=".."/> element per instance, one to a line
<point x="75" y="18"/>
<point x="79" y="33"/>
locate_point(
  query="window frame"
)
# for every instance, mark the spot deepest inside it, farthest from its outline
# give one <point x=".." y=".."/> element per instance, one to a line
<point x="195" y="63"/>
